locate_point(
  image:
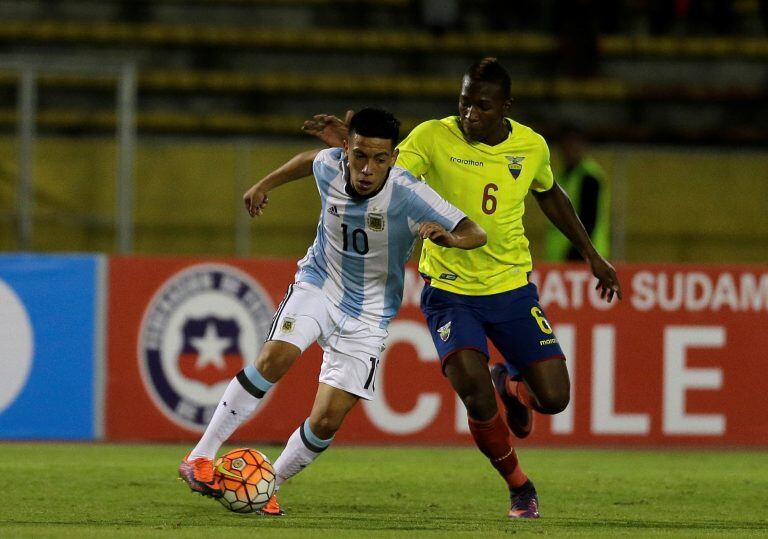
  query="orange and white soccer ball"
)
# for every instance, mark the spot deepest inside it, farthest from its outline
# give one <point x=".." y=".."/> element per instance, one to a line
<point x="247" y="480"/>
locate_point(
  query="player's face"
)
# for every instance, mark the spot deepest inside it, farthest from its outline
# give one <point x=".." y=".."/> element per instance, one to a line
<point x="370" y="159"/>
<point x="482" y="107"/>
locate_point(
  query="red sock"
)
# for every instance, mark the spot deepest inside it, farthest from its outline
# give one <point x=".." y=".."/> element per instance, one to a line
<point x="493" y="439"/>
<point x="521" y="390"/>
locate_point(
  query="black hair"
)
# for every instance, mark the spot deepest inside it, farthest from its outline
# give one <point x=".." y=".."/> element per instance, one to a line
<point x="375" y="123"/>
<point x="490" y="70"/>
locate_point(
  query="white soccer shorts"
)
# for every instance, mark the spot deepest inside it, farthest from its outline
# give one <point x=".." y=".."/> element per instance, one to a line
<point x="351" y="348"/>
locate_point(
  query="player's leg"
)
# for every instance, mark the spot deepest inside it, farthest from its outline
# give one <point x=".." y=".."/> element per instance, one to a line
<point x="348" y="373"/>
<point x="467" y="370"/>
<point x="457" y="331"/>
<point x="289" y="335"/>
<point x="316" y="433"/>
<point x="311" y="438"/>
<point x="534" y="376"/>
<point x="241" y="399"/>
<point x="545" y="386"/>
<point x="244" y="395"/>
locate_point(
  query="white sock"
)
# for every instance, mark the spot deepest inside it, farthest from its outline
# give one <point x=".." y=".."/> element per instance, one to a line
<point x="302" y="449"/>
<point x="242" y="397"/>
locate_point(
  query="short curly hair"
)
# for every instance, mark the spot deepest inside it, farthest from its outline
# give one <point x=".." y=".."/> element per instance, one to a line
<point x="490" y="70"/>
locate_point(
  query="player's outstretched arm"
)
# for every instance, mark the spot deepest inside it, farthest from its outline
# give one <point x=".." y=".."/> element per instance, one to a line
<point x="558" y="208"/>
<point x="299" y="166"/>
<point x="466" y="235"/>
<point x="330" y="129"/>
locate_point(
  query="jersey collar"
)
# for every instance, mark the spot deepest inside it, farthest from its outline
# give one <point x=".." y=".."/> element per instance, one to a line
<point x="457" y="124"/>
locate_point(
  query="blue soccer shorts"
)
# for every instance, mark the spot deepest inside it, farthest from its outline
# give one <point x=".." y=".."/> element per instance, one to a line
<point x="514" y="322"/>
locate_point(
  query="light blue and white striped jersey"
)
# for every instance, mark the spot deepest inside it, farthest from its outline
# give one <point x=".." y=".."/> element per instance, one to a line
<point x="362" y="244"/>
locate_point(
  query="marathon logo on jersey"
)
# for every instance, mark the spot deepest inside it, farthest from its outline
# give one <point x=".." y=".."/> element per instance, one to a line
<point x="445" y="331"/>
<point x="469" y="162"/>
<point x="375" y="221"/>
<point x="515" y="165"/>
<point x="203" y="325"/>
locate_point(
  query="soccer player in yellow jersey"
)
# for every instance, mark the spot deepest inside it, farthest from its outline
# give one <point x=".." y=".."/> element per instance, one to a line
<point x="485" y="163"/>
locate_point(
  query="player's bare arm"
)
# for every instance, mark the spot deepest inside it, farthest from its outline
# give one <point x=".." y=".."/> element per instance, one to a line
<point x="299" y="166"/>
<point x="466" y="235"/>
<point x="558" y="208"/>
<point x="330" y="129"/>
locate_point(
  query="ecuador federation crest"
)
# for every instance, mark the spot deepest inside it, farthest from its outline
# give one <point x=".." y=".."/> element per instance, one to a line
<point x="445" y="331"/>
<point x="515" y="165"/>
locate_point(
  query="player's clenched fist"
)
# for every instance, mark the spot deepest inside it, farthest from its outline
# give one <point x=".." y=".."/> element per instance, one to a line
<point x="255" y="200"/>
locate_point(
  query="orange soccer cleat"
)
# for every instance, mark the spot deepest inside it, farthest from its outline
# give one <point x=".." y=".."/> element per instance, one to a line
<point x="198" y="474"/>
<point x="272" y="508"/>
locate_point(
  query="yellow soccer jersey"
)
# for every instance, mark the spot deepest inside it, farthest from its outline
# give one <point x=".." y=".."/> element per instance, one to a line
<point x="489" y="184"/>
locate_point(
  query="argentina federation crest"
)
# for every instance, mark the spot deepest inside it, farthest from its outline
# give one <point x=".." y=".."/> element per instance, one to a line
<point x="203" y="326"/>
<point x="515" y="165"/>
<point x="375" y="221"/>
<point x="288" y="324"/>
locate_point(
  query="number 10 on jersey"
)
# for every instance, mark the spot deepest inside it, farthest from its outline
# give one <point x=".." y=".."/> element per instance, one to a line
<point x="359" y="240"/>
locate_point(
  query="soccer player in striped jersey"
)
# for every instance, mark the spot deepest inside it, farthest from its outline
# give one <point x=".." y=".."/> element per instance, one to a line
<point x="485" y="163"/>
<point x="347" y="289"/>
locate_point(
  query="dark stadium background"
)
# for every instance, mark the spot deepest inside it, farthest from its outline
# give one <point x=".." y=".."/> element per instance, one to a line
<point x="129" y="131"/>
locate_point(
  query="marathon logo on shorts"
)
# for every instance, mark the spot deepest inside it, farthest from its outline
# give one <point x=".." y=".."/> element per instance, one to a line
<point x="375" y="221"/>
<point x="445" y="331"/>
<point x="515" y="165"/>
<point x="545" y="342"/>
<point x="201" y="328"/>
<point x="288" y="324"/>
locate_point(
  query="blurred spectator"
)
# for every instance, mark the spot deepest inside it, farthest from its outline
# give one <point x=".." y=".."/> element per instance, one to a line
<point x="584" y="181"/>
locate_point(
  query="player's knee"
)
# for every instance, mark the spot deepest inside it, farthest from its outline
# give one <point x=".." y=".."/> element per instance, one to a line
<point x="324" y="426"/>
<point x="479" y="405"/>
<point x="553" y="402"/>
<point x="274" y="362"/>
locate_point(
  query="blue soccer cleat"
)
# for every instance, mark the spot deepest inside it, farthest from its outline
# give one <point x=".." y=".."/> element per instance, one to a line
<point x="525" y="502"/>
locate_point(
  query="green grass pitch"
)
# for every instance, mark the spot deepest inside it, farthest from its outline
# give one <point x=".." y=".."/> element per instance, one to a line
<point x="103" y="490"/>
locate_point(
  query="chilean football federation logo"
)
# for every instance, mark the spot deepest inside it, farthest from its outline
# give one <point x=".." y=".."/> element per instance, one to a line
<point x="202" y="327"/>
